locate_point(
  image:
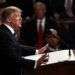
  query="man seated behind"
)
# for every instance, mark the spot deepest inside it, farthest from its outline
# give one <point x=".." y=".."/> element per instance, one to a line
<point x="34" y="31"/>
<point x="54" y="42"/>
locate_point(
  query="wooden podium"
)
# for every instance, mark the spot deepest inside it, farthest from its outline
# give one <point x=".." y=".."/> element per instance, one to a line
<point x="59" y="63"/>
<point x="60" y="68"/>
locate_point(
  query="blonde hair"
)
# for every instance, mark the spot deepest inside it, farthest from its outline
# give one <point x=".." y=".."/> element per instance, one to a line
<point x="6" y="12"/>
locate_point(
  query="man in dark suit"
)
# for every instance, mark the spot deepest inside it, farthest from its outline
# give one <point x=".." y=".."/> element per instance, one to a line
<point x="31" y="29"/>
<point x="11" y="51"/>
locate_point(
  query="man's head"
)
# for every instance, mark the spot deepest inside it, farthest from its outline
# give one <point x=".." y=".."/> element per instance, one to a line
<point x="39" y="9"/>
<point x="53" y="40"/>
<point x="12" y="16"/>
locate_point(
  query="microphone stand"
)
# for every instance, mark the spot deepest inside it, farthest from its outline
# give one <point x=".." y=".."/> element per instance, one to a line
<point x="68" y="46"/>
<point x="69" y="50"/>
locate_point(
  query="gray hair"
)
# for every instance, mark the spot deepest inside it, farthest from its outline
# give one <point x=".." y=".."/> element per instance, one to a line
<point x="39" y="4"/>
<point x="6" y="12"/>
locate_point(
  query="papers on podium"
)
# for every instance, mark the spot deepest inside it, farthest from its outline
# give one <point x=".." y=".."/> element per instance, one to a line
<point x="55" y="57"/>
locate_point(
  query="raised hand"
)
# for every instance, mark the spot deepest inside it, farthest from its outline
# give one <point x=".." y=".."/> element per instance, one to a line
<point x="43" y="50"/>
<point x="42" y="60"/>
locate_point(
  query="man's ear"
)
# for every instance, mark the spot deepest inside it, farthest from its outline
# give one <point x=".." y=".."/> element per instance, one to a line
<point x="8" y="20"/>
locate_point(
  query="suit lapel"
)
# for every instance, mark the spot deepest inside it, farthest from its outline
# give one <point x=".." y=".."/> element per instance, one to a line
<point x="5" y="29"/>
<point x="8" y="32"/>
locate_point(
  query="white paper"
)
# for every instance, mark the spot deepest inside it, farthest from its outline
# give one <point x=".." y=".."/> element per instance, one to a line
<point x="55" y="57"/>
<point x="33" y="57"/>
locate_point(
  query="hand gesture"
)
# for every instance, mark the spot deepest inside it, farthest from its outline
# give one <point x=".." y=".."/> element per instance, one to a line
<point x="43" y="50"/>
<point x="42" y="60"/>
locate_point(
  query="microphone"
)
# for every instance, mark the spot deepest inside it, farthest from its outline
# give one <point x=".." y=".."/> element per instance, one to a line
<point x="69" y="52"/>
<point x="68" y="47"/>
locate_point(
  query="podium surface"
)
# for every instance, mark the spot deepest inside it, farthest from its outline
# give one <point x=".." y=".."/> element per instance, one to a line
<point x="55" y="57"/>
<point x="59" y="63"/>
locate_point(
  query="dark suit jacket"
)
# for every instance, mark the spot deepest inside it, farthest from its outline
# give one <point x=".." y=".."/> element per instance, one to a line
<point x="11" y="52"/>
<point x="29" y="30"/>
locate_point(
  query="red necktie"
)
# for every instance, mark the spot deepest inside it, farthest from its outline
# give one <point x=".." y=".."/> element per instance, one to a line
<point x="40" y="37"/>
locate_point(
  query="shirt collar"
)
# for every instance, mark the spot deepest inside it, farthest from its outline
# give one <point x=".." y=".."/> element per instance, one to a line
<point x="52" y="49"/>
<point x="43" y="19"/>
<point x="10" y="28"/>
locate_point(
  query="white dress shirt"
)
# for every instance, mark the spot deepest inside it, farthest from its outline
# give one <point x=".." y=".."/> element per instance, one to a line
<point x="52" y="49"/>
<point x="10" y="28"/>
<point x="42" y="23"/>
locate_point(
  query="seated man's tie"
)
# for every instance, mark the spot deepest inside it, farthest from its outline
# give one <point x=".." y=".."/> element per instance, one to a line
<point x="40" y="36"/>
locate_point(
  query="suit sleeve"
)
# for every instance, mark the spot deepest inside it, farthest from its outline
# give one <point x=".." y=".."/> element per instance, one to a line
<point x="11" y="50"/>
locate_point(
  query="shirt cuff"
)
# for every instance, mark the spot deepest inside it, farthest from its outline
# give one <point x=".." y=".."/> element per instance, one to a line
<point x="37" y="52"/>
<point x="36" y="61"/>
<point x="35" y="65"/>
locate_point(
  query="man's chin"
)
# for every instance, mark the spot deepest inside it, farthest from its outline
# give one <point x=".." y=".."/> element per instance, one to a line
<point x="20" y="26"/>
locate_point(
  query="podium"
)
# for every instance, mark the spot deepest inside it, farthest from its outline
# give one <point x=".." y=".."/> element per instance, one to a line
<point x="60" y="68"/>
<point x="59" y="63"/>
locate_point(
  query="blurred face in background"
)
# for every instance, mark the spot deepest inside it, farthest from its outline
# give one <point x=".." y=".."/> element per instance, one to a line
<point x="40" y="10"/>
<point x="53" y="41"/>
